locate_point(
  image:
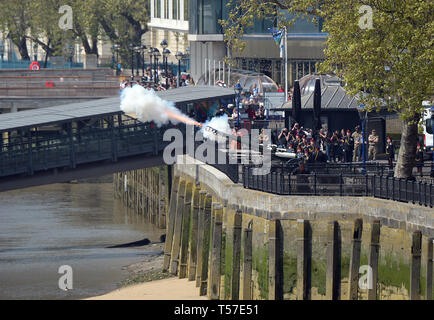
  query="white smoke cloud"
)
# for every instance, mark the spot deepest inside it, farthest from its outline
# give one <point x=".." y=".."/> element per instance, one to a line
<point x="220" y="124"/>
<point x="148" y="106"/>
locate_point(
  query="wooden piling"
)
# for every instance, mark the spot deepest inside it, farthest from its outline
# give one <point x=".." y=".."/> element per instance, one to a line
<point x="374" y="250"/>
<point x="333" y="278"/>
<point x="304" y="260"/>
<point x="186" y="214"/>
<point x="178" y="228"/>
<point x="236" y="254"/>
<point x="275" y="261"/>
<point x="162" y="198"/>
<point x="202" y="194"/>
<point x="170" y="224"/>
<point x="193" y="239"/>
<point x="205" y="246"/>
<point x="247" y="263"/>
<point x="429" y="269"/>
<point x="416" y="252"/>
<point x="356" y="244"/>
<point x="216" y="248"/>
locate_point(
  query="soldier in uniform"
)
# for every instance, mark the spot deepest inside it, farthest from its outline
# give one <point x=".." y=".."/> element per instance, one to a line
<point x="356" y="138"/>
<point x="373" y="142"/>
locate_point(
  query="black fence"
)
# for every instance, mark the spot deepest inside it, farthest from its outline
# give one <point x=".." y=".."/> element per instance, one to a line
<point x="282" y="182"/>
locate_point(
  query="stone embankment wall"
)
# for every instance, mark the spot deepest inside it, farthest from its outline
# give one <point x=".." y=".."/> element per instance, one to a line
<point x="244" y="244"/>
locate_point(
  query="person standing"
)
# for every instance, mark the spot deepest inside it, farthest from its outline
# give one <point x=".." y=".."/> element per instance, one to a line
<point x="419" y="159"/>
<point x="356" y="138"/>
<point x="348" y="145"/>
<point x="373" y="142"/>
<point x="390" y="152"/>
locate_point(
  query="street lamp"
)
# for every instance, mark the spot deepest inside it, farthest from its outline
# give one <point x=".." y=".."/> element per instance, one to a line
<point x="179" y="55"/>
<point x="151" y="53"/>
<point x="137" y="50"/>
<point x="131" y="46"/>
<point x="157" y="55"/>
<point x="238" y="89"/>
<point x="142" y="49"/>
<point x="115" y="49"/>
<point x="166" y="53"/>
<point x="2" y="50"/>
<point x="363" y="116"/>
<point x="35" y="51"/>
<point x="164" y="45"/>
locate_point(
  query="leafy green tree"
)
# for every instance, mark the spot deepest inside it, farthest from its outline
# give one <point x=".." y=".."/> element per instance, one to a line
<point x="389" y="66"/>
<point x="121" y="22"/>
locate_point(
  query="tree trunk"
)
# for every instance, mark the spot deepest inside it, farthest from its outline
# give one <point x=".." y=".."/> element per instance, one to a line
<point x="407" y="150"/>
<point x="21" y="44"/>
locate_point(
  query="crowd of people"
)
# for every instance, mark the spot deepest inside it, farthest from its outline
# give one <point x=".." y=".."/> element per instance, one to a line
<point x="329" y="146"/>
<point x="158" y="80"/>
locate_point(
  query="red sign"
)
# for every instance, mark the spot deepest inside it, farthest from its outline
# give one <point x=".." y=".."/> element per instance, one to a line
<point x="49" y="84"/>
<point x="34" y="66"/>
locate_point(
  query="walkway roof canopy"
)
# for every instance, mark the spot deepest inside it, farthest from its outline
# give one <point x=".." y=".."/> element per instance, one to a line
<point x="103" y="107"/>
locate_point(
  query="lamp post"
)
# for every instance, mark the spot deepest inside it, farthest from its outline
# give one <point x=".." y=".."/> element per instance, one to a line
<point x="142" y="49"/>
<point x="157" y="54"/>
<point x="137" y="50"/>
<point x="35" y="52"/>
<point x="131" y="46"/>
<point x="115" y="49"/>
<point x="238" y="90"/>
<point x="178" y="57"/>
<point x="166" y="53"/>
<point x="2" y="50"/>
<point x="70" y="52"/>
<point x="151" y="53"/>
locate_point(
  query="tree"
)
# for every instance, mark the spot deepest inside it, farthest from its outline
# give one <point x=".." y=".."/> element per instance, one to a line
<point x="389" y="66"/>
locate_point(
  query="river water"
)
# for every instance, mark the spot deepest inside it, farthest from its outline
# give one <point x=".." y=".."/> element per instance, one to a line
<point x="43" y="228"/>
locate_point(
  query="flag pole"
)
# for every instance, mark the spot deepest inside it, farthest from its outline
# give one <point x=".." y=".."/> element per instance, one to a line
<point x="286" y="66"/>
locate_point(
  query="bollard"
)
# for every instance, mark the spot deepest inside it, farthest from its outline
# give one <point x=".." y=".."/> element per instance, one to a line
<point x="205" y="246"/>
<point x="193" y="239"/>
<point x="247" y="264"/>
<point x="356" y="244"/>
<point x="304" y="260"/>
<point x="186" y="214"/>
<point x="275" y="259"/>
<point x="216" y="247"/>
<point x="202" y="194"/>
<point x="374" y="250"/>
<point x="236" y="254"/>
<point x="177" y="228"/>
<point x="333" y="278"/>
<point x="416" y="251"/>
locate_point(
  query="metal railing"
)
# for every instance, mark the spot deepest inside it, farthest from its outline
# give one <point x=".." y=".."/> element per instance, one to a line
<point x="282" y="182"/>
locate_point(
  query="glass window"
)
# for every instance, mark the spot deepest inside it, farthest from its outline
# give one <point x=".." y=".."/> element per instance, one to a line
<point x="157" y="8"/>
<point x="186" y="7"/>
<point x="175" y="9"/>
<point x="166" y="9"/>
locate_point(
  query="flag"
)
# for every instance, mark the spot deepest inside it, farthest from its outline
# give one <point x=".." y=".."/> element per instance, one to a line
<point x="279" y="39"/>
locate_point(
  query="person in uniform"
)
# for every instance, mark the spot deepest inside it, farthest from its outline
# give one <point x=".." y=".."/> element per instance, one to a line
<point x="373" y="142"/>
<point x="356" y="138"/>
